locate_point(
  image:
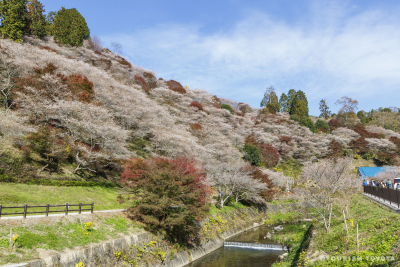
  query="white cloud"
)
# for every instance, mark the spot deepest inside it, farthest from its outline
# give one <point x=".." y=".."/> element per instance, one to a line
<point x="328" y="53"/>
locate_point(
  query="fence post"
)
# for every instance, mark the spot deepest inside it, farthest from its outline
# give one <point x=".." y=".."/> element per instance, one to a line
<point x="92" y="207"/>
<point x="25" y="209"/>
<point x="80" y="208"/>
<point x="0" y="210"/>
<point x="66" y="208"/>
<point x="47" y="210"/>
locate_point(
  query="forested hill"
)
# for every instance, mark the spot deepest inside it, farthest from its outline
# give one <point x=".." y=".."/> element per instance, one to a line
<point x="70" y="112"/>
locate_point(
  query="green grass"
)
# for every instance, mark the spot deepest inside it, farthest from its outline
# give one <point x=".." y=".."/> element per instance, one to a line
<point x="283" y="217"/>
<point x="20" y="194"/>
<point x="226" y="209"/>
<point x="66" y="233"/>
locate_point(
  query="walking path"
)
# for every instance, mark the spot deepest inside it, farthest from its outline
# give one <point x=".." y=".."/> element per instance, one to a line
<point x="54" y="215"/>
<point x="383" y="202"/>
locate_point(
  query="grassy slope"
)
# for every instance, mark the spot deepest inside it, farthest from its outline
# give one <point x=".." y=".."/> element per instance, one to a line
<point x="18" y="194"/>
<point x="379" y="235"/>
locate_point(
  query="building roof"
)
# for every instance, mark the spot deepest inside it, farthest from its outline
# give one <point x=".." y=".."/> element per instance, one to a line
<point x="366" y="172"/>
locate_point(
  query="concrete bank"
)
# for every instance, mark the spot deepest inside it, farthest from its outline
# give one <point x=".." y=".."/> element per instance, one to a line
<point x="106" y="254"/>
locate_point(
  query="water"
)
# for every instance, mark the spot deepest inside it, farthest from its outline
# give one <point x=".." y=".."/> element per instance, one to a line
<point x="242" y="257"/>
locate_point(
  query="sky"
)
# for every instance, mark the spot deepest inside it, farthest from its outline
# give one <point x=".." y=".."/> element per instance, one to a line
<point x="235" y="49"/>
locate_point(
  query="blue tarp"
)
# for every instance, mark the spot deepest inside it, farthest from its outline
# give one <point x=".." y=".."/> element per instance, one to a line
<point x="369" y="172"/>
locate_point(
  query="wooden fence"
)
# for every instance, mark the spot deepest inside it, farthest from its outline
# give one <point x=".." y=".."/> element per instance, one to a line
<point x="47" y="211"/>
<point x="386" y="194"/>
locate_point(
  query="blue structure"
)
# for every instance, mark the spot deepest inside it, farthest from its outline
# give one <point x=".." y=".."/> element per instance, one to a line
<point x="370" y="172"/>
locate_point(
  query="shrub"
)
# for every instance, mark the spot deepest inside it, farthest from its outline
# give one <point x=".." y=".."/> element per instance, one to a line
<point x="81" y="87"/>
<point x="304" y="121"/>
<point x="142" y="83"/>
<point x="360" y="146"/>
<point x="252" y="154"/>
<point x="70" y="27"/>
<point x="168" y="195"/>
<point x="250" y="139"/>
<point x="384" y="158"/>
<point x="285" y="139"/>
<point x="227" y="107"/>
<point x="197" y="105"/>
<point x="268" y="194"/>
<point x="363" y="132"/>
<point x="335" y="149"/>
<point x="124" y="62"/>
<point x="48" y="49"/>
<point x="196" y="126"/>
<point x="395" y="140"/>
<point x="269" y="155"/>
<point x="150" y="79"/>
<point x="334" y="124"/>
<point x="50" y="68"/>
<point x="176" y="86"/>
<point x="322" y="126"/>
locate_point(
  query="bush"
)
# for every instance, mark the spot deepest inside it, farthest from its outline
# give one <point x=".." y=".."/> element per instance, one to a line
<point x="167" y="195"/>
<point x="304" y="121"/>
<point x="176" y="86"/>
<point x="285" y="139"/>
<point x="360" y="146"/>
<point x="334" y="124"/>
<point x="322" y="126"/>
<point x="268" y="194"/>
<point x="197" y="105"/>
<point x="227" y="107"/>
<point x="335" y="149"/>
<point x="363" y="132"/>
<point x="196" y="126"/>
<point x="395" y="140"/>
<point x="250" y="139"/>
<point x="142" y="83"/>
<point x="70" y="27"/>
<point x="81" y="87"/>
<point x="252" y="154"/>
<point x="384" y="158"/>
<point x="269" y="155"/>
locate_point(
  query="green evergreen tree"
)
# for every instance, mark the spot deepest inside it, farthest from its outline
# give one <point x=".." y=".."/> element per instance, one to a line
<point x="252" y="154"/>
<point x="70" y="27"/>
<point x="50" y="22"/>
<point x="284" y="103"/>
<point x="291" y="96"/>
<point x="14" y="19"/>
<point x="274" y="103"/>
<point x="37" y="19"/>
<point x="323" y="107"/>
<point x="299" y="105"/>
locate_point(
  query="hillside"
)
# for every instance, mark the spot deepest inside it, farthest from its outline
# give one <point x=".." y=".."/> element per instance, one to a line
<point x="78" y="112"/>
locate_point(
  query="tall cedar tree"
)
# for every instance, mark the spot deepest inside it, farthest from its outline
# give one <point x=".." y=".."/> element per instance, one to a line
<point x="14" y="19"/>
<point x="284" y="103"/>
<point x="70" y="27"/>
<point x="291" y="96"/>
<point x="299" y="105"/>
<point x="324" y="109"/>
<point x="167" y="195"/>
<point x="36" y="18"/>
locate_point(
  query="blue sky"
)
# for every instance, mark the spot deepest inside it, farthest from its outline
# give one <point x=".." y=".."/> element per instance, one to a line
<point x="235" y="49"/>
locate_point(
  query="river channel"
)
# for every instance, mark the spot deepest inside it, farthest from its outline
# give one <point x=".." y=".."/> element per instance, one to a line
<point x="242" y="257"/>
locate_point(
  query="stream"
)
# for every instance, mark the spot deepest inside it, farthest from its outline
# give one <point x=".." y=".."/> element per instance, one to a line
<point x="239" y="256"/>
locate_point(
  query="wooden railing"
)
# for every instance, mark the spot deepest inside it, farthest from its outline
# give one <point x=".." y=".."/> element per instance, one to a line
<point x="47" y="211"/>
<point x="386" y="194"/>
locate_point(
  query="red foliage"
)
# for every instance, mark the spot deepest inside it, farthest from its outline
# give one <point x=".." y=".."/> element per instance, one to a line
<point x="395" y="140"/>
<point x="196" y="126"/>
<point x="150" y="79"/>
<point x="98" y="52"/>
<point x="81" y="87"/>
<point x="123" y="62"/>
<point x="268" y="194"/>
<point x="142" y="82"/>
<point x="197" y="105"/>
<point x="360" y="145"/>
<point x="335" y="149"/>
<point x="48" y="49"/>
<point x="385" y="158"/>
<point x="50" y="68"/>
<point x="250" y="139"/>
<point x="285" y="139"/>
<point x="361" y="130"/>
<point x="269" y="155"/>
<point x="334" y="124"/>
<point x="176" y="86"/>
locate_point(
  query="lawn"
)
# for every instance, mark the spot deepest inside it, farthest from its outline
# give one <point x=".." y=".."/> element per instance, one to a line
<point x="20" y="194"/>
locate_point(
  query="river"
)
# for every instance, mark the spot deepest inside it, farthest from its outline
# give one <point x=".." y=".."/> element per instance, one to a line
<point x="242" y="257"/>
